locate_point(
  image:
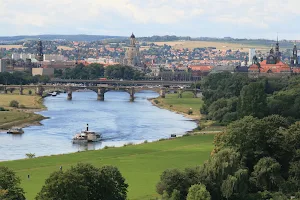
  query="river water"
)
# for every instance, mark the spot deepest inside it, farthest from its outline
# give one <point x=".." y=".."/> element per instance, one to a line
<point x="119" y="121"/>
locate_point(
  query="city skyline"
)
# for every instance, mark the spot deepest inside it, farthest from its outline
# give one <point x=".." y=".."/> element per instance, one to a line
<point x="195" y="18"/>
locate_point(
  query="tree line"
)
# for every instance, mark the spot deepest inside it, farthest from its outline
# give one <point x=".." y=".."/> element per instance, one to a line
<point x="95" y="71"/>
<point x="254" y="159"/>
<point x="228" y="97"/>
<point x="21" y="78"/>
<point x="83" y="181"/>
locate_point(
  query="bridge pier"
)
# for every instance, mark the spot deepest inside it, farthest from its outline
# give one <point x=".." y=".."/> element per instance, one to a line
<point x="5" y="90"/>
<point x="21" y="90"/>
<point x="131" y="93"/>
<point x="100" y="94"/>
<point x="69" y="96"/>
<point x="163" y="93"/>
<point x="39" y="90"/>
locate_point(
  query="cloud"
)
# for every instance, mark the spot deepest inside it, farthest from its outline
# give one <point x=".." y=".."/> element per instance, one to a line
<point x="182" y="17"/>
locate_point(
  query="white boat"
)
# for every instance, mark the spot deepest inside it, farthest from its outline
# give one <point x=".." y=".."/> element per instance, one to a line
<point x="15" y="130"/>
<point x="54" y="94"/>
<point x="86" y="136"/>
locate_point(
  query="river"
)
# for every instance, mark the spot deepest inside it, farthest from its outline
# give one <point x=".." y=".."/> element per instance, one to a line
<point x="119" y="121"/>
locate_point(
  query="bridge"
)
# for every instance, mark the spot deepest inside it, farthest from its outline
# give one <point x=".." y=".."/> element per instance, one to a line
<point x="125" y="82"/>
<point x="100" y="89"/>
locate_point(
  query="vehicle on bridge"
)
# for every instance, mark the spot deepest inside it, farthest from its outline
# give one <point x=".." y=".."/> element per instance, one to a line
<point x="87" y="136"/>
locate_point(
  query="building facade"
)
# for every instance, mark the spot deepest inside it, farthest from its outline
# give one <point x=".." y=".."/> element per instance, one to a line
<point x="2" y="65"/>
<point x="43" y="71"/>
<point x="132" y="54"/>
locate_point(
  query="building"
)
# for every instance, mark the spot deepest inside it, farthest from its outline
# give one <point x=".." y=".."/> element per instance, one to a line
<point x="200" y="70"/>
<point x="271" y="67"/>
<point x="252" y="53"/>
<point x="2" y="65"/>
<point x="43" y="71"/>
<point x="54" y="57"/>
<point x="132" y="54"/>
<point x="294" y="58"/>
<point x="40" y="55"/>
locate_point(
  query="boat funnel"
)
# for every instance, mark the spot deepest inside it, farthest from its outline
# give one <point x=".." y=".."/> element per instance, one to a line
<point x="87" y="127"/>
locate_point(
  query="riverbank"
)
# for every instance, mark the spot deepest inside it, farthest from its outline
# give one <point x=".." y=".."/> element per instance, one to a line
<point x="22" y="116"/>
<point x="141" y="165"/>
<point x="189" y="107"/>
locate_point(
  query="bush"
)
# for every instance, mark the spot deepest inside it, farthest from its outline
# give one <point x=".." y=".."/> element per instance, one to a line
<point x="30" y="92"/>
<point x="14" y="104"/>
<point x="156" y="101"/>
<point x="30" y="155"/>
<point x="190" y="112"/>
<point x="2" y="109"/>
<point x="171" y="106"/>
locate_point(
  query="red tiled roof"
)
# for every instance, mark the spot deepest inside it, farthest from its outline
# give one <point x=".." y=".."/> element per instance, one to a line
<point x="273" y="68"/>
<point x="201" y="67"/>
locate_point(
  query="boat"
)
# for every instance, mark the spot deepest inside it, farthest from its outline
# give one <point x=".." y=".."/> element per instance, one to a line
<point x="54" y="94"/>
<point x="15" y="130"/>
<point x="86" y="136"/>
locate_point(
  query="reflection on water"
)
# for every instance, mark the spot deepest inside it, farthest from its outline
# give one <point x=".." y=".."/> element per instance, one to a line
<point x="117" y="119"/>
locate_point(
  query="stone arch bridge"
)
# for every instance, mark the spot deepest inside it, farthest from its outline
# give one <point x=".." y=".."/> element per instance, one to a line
<point x="100" y="90"/>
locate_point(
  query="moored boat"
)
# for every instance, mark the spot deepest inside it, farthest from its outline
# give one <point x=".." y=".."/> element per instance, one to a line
<point x="15" y="130"/>
<point x="86" y="136"/>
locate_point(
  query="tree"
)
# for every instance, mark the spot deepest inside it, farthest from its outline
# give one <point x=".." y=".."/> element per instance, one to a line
<point x="266" y="175"/>
<point x="14" y="104"/>
<point x="173" y="179"/>
<point x="85" y="181"/>
<point x="198" y="192"/>
<point x="253" y="100"/>
<point x="10" y="185"/>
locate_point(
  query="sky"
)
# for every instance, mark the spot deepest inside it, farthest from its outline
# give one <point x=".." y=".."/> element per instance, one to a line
<point x="195" y="18"/>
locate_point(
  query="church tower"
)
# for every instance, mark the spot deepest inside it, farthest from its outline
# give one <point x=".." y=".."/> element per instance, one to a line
<point x="294" y="59"/>
<point x="277" y="52"/>
<point x="132" y="40"/>
<point x="40" y="55"/>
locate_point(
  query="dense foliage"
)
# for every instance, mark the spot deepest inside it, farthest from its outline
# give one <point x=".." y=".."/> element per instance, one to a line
<point x="86" y="182"/>
<point x="9" y="185"/>
<point x="92" y="71"/>
<point x="253" y="159"/>
<point x="123" y="72"/>
<point x="21" y="78"/>
<point x="228" y="97"/>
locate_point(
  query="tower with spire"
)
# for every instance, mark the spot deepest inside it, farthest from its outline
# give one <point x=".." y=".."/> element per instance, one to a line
<point x="40" y="55"/>
<point x="277" y="52"/>
<point x="294" y="58"/>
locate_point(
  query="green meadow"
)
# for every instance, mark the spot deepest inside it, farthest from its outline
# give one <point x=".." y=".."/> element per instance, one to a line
<point x="181" y="105"/>
<point x="141" y="165"/>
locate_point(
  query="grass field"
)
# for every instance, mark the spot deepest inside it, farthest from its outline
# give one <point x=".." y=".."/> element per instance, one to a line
<point x="65" y="48"/>
<point x="141" y="165"/>
<point x="29" y="101"/>
<point x="218" y="45"/>
<point x="182" y="105"/>
<point x="8" y="46"/>
<point x="23" y="116"/>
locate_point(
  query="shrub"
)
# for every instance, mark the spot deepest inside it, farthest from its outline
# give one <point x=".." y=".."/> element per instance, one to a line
<point x="145" y="142"/>
<point x="171" y="106"/>
<point x="2" y="109"/>
<point x="156" y="101"/>
<point x="30" y="155"/>
<point x="190" y="112"/>
<point x="14" y="104"/>
<point x="30" y="92"/>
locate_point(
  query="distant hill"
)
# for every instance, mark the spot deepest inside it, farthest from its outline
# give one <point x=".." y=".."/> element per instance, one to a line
<point x="87" y="38"/>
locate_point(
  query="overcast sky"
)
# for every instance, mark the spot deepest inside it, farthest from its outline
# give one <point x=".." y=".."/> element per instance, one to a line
<point x="196" y="18"/>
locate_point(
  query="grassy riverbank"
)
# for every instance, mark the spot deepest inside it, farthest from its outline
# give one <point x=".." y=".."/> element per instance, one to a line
<point x="141" y="165"/>
<point x="20" y="116"/>
<point x="181" y="105"/>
